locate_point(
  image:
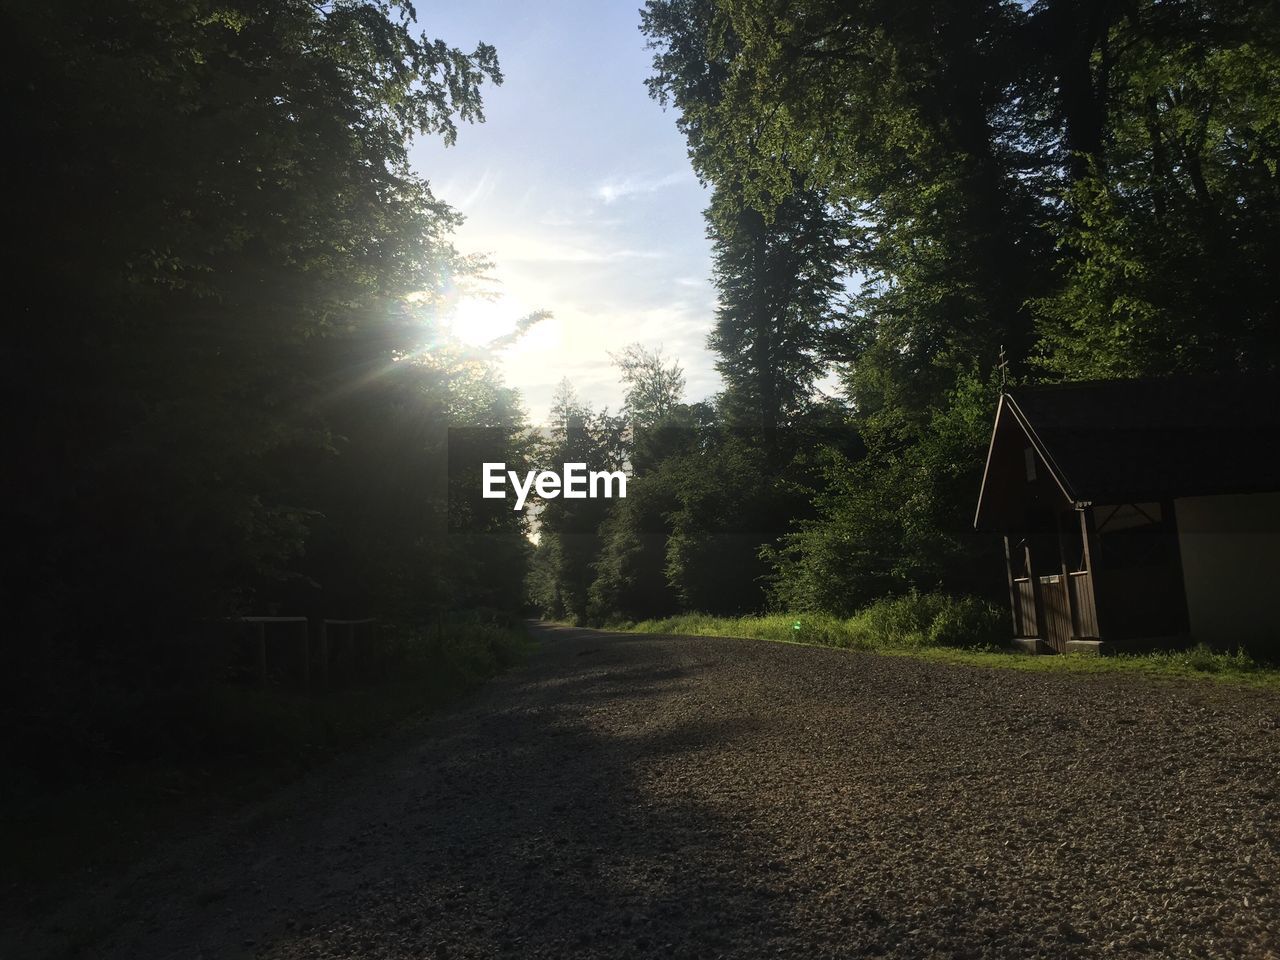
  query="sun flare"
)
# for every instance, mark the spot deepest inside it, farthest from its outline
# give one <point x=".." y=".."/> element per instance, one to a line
<point x="477" y="321"/>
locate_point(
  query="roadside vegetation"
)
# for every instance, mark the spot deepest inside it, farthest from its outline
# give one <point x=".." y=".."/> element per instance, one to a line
<point x="1043" y="192"/>
<point x="915" y="621"/>
<point x="964" y="631"/>
<point x="236" y="395"/>
<point x="98" y="793"/>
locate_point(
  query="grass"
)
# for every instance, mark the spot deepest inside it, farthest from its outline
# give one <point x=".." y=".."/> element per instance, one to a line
<point x="964" y="631"/>
<point x="168" y="766"/>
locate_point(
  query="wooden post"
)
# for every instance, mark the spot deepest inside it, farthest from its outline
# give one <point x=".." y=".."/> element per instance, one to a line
<point x="1066" y="583"/>
<point x="1089" y="536"/>
<point x="324" y="653"/>
<point x="306" y="654"/>
<point x="1169" y="514"/>
<point x="1013" y="590"/>
<point x="1037" y="597"/>
<point x="380" y="651"/>
<point x="262" y="653"/>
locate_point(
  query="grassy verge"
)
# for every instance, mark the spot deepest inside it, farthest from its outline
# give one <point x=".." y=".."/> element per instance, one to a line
<point x="170" y="766"/>
<point x="966" y="631"/>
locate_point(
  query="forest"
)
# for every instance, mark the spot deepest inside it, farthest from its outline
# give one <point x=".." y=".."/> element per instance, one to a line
<point x="903" y="196"/>
<point x="231" y="388"/>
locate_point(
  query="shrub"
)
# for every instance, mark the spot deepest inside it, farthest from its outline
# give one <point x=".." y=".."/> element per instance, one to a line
<point x="929" y="620"/>
<point x="910" y="621"/>
<point x="1205" y="659"/>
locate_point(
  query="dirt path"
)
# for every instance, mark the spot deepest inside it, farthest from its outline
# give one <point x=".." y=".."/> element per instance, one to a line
<point x="637" y="796"/>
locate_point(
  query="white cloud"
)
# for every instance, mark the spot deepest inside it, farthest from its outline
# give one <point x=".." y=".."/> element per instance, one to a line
<point x="466" y="195"/>
<point x="616" y="188"/>
<point x="577" y="342"/>
<point x="528" y="249"/>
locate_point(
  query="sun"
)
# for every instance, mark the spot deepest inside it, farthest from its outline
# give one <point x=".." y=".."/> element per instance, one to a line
<point x="477" y="321"/>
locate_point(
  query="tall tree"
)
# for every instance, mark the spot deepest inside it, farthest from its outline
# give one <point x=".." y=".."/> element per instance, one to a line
<point x="1173" y="242"/>
<point x="569" y="531"/>
<point x="223" y="246"/>
<point x="777" y="276"/>
<point x="654" y="385"/>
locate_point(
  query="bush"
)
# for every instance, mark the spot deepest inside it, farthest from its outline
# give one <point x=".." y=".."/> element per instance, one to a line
<point x="934" y="620"/>
<point x="1205" y="659"/>
<point x="911" y="621"/>
<point x="477" y="649"/>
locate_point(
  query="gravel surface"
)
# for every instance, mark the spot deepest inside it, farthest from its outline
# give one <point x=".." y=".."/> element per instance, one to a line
<point x="641" y="796"/>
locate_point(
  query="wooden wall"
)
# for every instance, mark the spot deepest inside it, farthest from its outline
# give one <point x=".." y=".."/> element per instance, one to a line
<point x="1230" y="549"/>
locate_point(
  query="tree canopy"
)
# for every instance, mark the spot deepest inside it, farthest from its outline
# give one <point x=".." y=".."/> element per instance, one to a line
<point x="230" y="383"/>
<point x="904" y="192"/>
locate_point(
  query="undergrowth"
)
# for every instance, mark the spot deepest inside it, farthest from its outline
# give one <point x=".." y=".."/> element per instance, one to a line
<point x="956" y="630"/>
<point x="91" y="791"/>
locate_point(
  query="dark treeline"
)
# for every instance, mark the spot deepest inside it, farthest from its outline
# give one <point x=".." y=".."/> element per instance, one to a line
<point x="229" y="378"/>
<point x="900" y="190"/>
<point x="228" y="381"/>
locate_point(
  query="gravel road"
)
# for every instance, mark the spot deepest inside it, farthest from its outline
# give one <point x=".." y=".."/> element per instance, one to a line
<point x="640" y="796"/>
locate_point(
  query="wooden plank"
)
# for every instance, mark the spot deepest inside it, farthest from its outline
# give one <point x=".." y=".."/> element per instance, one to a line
<point x="261" y="632"/>
<point x="1082" y="590"/>
<point x="1037" y="598"/>
<point x="1179" y="597"/>
<point x="1089" y="535"/>
<point x="1013" y="591"/>
<point x="323" y="628"/>
<point x="1073" y="615"/>
<point x="1026" y="608"/>
<point x="306" y="655"/>
<point x="1056" y="619"/>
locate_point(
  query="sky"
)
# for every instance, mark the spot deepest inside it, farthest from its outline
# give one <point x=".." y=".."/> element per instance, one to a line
<point x="579" y="189"/>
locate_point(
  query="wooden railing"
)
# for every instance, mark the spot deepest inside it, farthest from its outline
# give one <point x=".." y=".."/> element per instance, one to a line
<point x="1082" y="603"/>
<point x="301" y="630"/>
<point x="1083" y="613"/>
<point x="1026" y="607"/>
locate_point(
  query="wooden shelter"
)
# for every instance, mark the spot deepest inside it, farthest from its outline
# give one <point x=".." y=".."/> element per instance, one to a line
<point x="1138" y="512"/>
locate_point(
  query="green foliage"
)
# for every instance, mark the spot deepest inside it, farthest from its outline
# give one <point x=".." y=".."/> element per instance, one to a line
<point x="1100" y="175"/>
<point x="872" y="210"/>
<point x="899" y="118"/>
<point x="729" y="507"/>
<point x="569" y="531"/>
<point x="1171" y="248"/>
<point x="777" y="274"/>
<point x="960" y="631"/>
<point x="655" y="387"/>
<point x="207" y="749"/>
<point x="631" y="571"/>
<point x="908" y="622"/>
<point x="933" y="620"/>
<point x="230" y="389"/>
<point x="897" y="519"/>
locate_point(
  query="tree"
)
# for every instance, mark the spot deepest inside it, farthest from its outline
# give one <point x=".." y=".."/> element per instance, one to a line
<point x="896" y="116"/>
<point x="655" y="386"/>
<point x="1171" y="252"/>
<point x="777" y="276"/>
<point x="222" y="387"/>
<point x="569" y="531"/>
<point x="1090" y="186"/>
<point x="889" y="522"/>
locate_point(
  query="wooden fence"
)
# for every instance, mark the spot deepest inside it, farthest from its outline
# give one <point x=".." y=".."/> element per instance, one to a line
<point x="299" y="630"/>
